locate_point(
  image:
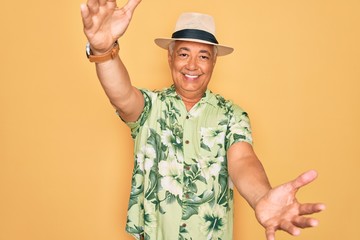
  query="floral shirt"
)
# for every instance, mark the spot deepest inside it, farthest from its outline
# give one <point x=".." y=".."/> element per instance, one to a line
<point x="180" y="184"/>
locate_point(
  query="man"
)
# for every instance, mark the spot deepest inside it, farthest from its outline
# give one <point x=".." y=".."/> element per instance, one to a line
<point x="191" y="146"/>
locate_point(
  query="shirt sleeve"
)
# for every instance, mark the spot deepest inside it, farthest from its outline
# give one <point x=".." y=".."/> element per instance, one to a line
<point x="135" y="126"/>
<point x="239" y="129"/>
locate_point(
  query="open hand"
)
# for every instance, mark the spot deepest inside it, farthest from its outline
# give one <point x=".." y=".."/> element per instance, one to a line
<point x="280" y="210"/>
<point x="104" y="22"/>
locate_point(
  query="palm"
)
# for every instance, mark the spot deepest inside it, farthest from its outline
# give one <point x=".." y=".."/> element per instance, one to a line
<point x="280" y="203"/>
<point x="280" y="210"/>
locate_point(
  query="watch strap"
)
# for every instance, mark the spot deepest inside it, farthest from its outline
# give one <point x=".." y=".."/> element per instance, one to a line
<point x="108" y="55"/>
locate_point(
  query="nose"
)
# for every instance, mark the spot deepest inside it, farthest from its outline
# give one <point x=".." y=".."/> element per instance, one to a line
<point x="191" y="63"/>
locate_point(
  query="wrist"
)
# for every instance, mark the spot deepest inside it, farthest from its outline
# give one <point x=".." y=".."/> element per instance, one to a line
<point x="97" y="51"/>
<point x="98" y="57"/>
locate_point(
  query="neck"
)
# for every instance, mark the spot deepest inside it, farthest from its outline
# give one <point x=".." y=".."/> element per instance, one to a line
<point x="190" y="100"/>
<point x="189" y="104"/>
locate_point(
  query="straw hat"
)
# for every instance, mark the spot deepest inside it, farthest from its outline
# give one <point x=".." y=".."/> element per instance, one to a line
<point x="195" y="27"/>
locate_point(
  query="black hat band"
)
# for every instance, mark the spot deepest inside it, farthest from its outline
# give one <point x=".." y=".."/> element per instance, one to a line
<point x="195" y="34"/>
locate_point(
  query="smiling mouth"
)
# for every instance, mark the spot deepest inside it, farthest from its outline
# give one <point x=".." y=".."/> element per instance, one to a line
<point x="191" y="76"/>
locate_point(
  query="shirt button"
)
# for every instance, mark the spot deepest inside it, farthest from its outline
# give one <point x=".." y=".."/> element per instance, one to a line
<point x="187" y="141"/>
<point x="187" y="117"/>
<point x="184" y="225"/>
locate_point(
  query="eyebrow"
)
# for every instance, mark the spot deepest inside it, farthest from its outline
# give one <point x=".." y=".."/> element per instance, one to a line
<point x="184" y="48"/>
<point x="201" y="51"/>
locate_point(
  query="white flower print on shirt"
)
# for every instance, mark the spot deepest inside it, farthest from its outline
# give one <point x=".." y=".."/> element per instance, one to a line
<point x="213" y="221"/>
<point x="212" y="136"/>
<point x="145" y="158"/>
<point x="171" y="172"/>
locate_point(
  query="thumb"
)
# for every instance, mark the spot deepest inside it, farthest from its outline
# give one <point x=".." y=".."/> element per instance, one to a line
<point x="131" y="5"/>
<point x="304" y="179"/>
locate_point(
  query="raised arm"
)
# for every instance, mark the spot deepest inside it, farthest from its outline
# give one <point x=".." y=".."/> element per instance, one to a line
<point x="104" y="23"/>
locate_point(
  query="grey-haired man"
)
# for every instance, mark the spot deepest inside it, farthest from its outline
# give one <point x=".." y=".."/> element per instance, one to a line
<point x="191" y="145"/>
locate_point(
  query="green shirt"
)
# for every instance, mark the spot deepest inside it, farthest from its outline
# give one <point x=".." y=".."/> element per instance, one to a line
<point x="180" y="184"/>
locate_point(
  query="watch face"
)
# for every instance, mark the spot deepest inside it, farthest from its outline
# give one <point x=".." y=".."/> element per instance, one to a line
<point x="88" y="51"/>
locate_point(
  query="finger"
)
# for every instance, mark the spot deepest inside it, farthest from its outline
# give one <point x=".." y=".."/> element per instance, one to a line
<point x="304" y="179"/>
<point x="270" y="234"/>
<point x="111" y="3"/>
<point x="103" y="2"/>
<point x="303" y="222"/>
<point x="86" y="18"/>
<point x="290" y="228"/>
<point x="93" y="6"/>
<point x="310" y="208"/>
<point x="93" y="2"/>
<point x="131" y="5"/>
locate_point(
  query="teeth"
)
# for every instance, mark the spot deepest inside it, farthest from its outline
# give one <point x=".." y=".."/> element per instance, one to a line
<point x="191" y="76"/>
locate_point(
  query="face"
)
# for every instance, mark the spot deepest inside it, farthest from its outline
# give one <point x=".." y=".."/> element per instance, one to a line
<point x="191" y="66"/>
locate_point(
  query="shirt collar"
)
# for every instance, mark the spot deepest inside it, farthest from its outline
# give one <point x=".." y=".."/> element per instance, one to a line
<point x="208" y="97"/>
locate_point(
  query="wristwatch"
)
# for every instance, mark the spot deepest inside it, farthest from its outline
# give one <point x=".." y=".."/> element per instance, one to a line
<point x="110" y="54"/>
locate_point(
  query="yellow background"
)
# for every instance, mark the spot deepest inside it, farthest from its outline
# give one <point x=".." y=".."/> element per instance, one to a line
<point x="66" y="159"/>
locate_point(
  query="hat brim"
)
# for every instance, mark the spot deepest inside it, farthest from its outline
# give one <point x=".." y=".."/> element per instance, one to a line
<point x="221" y="49"/>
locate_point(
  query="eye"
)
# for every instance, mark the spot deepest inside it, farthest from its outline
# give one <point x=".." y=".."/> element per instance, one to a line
<point x="204" y="57"/>
<point x="183" y="55"/>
